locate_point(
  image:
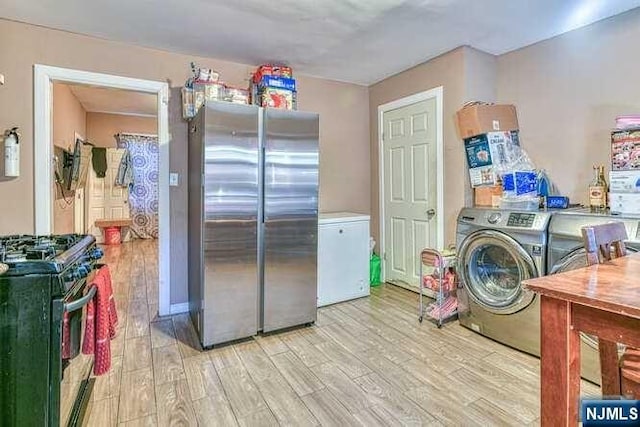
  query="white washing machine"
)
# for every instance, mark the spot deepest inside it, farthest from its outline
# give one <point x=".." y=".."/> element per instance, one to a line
<point x="497" y="250"/>
<point x="566" y="252"/>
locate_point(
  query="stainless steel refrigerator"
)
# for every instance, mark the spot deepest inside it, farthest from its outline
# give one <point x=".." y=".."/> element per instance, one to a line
<point x="253" y="220"/>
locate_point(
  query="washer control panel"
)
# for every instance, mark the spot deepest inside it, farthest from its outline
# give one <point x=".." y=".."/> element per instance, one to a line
<point x="494" y="218"/>
<point x="508" y="220"/>
<point x="519" y="219"/>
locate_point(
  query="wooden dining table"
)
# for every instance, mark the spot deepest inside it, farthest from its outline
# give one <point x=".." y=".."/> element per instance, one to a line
<point x="601" y="300"/>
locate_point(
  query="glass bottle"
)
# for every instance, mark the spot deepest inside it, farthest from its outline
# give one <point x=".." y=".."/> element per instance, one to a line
<point x="598" y="191"/>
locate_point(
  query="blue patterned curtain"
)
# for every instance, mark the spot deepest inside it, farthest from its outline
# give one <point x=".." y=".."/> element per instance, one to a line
<point x="143" y="192"/>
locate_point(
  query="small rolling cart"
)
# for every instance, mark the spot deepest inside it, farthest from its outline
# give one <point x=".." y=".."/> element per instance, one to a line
<point x="438" y="280"/>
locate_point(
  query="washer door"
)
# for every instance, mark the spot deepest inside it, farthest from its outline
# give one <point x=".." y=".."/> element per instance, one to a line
<point x="578" y="259"/>
<point x="494" y="267"/>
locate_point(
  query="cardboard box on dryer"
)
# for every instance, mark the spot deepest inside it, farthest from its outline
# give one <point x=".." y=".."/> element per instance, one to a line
<point x="520" y="183"/>
<point x="477" y="119"/>
<point x="625" y="203"/>
<point x="625" y="150"/>
<point x="556" y="202"/>
<point x="487" y="152"/>
<point x="488" y="195"/>
<point x="624" y="181"/>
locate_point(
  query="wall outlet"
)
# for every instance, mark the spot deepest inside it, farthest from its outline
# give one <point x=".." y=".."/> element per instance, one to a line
<point x="173" y="179"/>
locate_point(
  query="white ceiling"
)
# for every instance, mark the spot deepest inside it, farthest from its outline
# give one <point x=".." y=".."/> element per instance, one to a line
<point x="360" y="41"/>
<point x="115" y="101"/>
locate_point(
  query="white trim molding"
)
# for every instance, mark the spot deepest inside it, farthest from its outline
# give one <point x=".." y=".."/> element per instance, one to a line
<point x="44" y="77"/>
<point x="180" y="308"/>
<point x="116" y="113"/>
<point x="438" y="94"/>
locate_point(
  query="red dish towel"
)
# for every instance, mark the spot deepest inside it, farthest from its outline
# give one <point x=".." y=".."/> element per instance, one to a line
<point x="101" y="321"/>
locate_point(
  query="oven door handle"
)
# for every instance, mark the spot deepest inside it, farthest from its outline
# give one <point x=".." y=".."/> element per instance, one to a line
<point x="81" y="302"/>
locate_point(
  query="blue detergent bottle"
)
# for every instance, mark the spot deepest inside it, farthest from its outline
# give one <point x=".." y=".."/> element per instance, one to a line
<point x="544" y="186"/>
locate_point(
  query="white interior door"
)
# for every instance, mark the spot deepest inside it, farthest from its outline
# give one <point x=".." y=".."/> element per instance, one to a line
<point x="410" y="188"/>
<point x="105" y="199"/>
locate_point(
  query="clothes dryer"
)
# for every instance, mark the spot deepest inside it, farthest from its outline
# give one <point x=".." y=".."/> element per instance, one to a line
<point x="566" y="252"/>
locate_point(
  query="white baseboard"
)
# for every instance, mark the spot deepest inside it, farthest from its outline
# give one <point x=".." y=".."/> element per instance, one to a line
<point x="344" y="298"/>
<point x="180" y="308"/>
<point x="412" y="288"/>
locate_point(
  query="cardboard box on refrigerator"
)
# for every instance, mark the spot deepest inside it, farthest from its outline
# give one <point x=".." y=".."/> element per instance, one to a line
<point x="477" y="119"/>
<point x="487" y="152"/>
<point x="625" y="203"/>
<point x="278" y="82"/>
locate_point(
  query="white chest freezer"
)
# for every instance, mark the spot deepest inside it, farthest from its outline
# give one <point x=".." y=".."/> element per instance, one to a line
<point x="343" y="257"/>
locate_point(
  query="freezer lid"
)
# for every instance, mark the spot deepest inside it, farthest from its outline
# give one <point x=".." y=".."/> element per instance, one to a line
<point x="341" y="217"/>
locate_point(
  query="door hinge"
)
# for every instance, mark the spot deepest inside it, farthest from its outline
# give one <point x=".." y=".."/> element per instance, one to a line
<point x="384" y="256"/>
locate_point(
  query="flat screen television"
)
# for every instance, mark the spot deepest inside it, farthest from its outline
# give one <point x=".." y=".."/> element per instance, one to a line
<point x="72" y="166"/>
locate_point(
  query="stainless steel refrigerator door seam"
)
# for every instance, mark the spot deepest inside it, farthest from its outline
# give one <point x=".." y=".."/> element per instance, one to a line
<point x="260" y="241"/>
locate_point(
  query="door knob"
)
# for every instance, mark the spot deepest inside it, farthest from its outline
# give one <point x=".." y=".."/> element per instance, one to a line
<point x="431" y="213"/>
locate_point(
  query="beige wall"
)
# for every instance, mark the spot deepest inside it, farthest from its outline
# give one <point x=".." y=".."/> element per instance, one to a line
<point x="480" y="74"/>
<point x="344" y="142"/>
<point x="101" y="127"/>
<point x="568" y="91"/>
<point x="447" y="71"/>
<point x="344" y="125"/>
<point x="69" y="118"/>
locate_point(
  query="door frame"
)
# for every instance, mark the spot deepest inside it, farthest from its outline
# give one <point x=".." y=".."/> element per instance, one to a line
<point x="438" y="94"/>
<point x="76" y="135"/>
<point x="44" y="77"/>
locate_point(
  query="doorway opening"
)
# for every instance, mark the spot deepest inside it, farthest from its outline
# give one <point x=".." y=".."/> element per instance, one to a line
<point x="122" y="117"/>
<point x="411" y="183"/>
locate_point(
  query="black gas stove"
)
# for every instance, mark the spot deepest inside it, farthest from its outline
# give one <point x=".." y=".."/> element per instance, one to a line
<point x="44" y="281"/>
<point x="26" y="254"/>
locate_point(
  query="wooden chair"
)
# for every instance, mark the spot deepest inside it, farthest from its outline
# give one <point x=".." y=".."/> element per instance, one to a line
<point x="619" y="377"/>
<point x="600" y="239"/>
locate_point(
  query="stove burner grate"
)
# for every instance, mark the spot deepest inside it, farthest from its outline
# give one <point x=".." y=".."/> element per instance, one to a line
<point x="15" y="256"/>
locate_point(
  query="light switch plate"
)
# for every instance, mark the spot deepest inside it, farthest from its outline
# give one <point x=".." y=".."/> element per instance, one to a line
<point x="173" y="179"/>
<point x="1" y="79"/>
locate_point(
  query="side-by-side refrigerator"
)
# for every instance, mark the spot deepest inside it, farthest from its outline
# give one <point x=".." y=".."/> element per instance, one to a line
<point x="253" y="220"/>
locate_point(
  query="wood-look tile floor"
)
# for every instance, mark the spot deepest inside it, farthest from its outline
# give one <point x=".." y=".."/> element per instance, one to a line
<point x="366" y="362"/>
